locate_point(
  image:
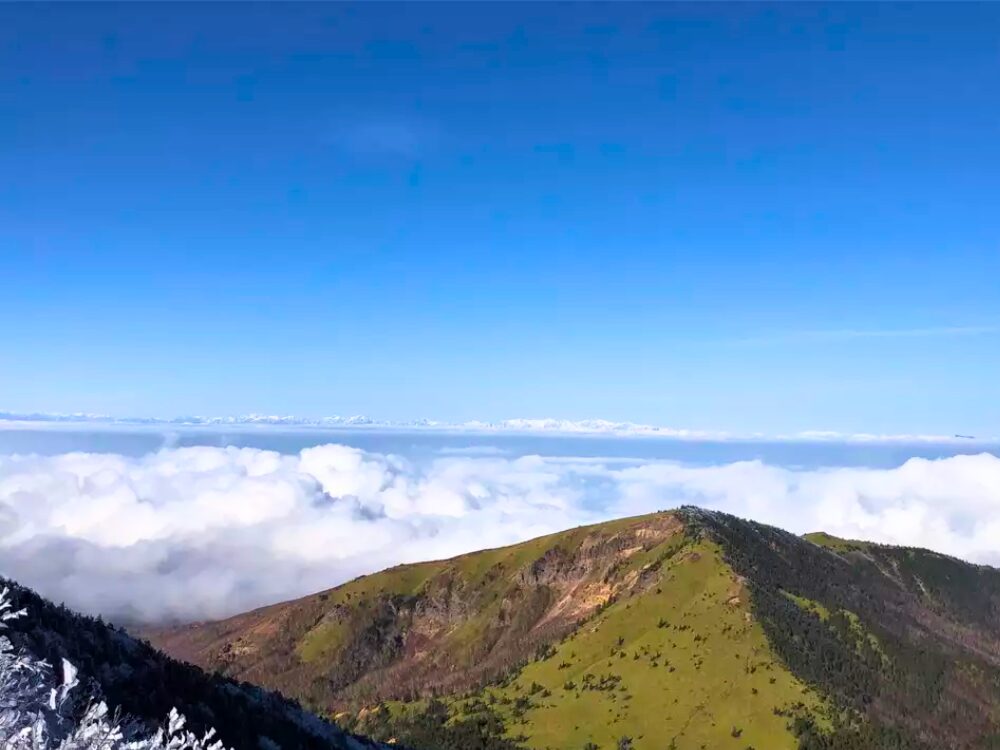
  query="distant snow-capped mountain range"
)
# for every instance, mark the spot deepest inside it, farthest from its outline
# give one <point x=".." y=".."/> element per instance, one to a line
<point x="601" y="426"/>
<point x="519" y="425"/>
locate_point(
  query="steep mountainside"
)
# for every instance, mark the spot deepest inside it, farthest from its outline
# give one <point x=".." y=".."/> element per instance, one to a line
<point x="686" y="629"/>
<point x="437" y="626"/>
<point x="145" y="684"/>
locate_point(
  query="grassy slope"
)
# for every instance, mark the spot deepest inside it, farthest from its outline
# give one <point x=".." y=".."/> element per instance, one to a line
<point x="682" y="662"/>
<point x="691" y="664"/>
<point x="835" y="543"/>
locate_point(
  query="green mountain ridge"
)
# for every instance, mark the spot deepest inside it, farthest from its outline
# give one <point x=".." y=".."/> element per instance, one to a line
<point x="682" y="629"/>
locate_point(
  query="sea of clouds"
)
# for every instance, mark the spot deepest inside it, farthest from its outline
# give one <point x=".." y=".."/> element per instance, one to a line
<point x="205" y="532"/>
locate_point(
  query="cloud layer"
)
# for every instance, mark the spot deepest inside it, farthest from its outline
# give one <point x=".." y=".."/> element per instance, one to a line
<point x="203" y="532"/>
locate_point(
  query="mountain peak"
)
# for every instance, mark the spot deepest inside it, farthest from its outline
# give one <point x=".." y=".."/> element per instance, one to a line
<point x="691" y="626"/>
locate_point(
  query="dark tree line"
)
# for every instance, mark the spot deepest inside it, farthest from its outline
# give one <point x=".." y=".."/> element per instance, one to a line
<point x="926" y="680"/>
<point x="438" y="727"/>
<point x="145" y="684"/>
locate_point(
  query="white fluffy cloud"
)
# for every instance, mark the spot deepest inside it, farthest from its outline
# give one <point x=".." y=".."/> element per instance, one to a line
<point x="188" y="533"/>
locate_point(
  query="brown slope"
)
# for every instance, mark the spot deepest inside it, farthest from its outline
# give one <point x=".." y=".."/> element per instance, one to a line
<point x="432" y="627"/>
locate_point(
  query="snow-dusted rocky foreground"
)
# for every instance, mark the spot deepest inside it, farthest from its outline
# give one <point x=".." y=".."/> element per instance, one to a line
<point x="38" y="712"/>
<point x="117" y="693"/>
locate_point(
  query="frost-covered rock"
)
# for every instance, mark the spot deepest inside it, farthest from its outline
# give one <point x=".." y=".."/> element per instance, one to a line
<point x="110" y="691"/>
<point x="37" y="711"/>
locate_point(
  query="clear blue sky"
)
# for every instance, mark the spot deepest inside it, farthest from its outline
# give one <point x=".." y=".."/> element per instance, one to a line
<point x="718" y="216"/>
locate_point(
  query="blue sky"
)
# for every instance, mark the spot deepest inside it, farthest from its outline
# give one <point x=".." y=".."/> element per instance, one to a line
<point x="716" y="216"/>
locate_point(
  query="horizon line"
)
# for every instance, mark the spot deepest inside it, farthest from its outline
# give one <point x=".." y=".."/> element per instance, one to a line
<point x="519" y="425"/>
